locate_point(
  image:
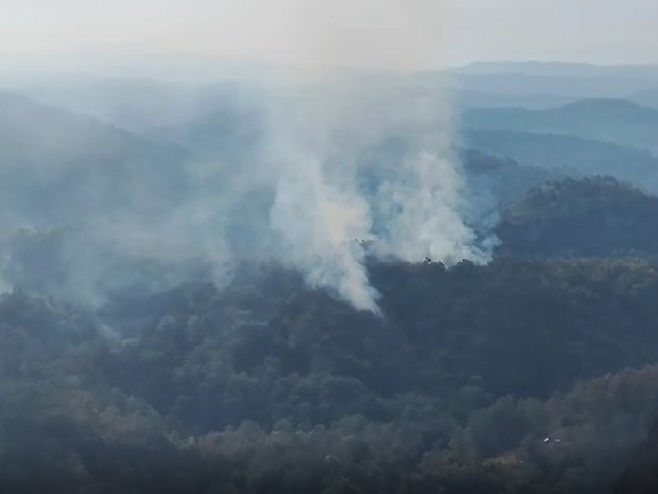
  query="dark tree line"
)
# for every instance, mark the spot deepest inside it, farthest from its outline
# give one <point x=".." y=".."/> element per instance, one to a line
<point x="267" y="385"/>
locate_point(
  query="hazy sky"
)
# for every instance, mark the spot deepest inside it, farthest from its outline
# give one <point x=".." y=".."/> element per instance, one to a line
<point x="397" y="34"/>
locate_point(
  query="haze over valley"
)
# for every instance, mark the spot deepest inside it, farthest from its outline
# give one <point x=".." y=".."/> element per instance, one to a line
<point x="343" y="248"/>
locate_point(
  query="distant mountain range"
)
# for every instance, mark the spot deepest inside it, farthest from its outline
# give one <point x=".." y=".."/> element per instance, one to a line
<point x="546" y="84"/>
<point x="568" y="155"/>
<point x="647" y="72"/>
<point x="612" y="120"/>
<point x="56" y="164"/>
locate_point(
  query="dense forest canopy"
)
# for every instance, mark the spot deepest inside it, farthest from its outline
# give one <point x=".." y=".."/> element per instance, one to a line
<point x="592" y="217"/>
<point x="156" y="335"/>
<point x="456" y="385"/>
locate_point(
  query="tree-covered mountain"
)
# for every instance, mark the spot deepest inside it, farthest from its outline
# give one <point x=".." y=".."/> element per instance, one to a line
<point x="267" y="383"/>
<point x="58" y="166"/>
<point x="492" y="183"/>
<point x="613" y="120"/>
<point x="595" y="217"/>
<point x="541" y="85"/>
<point x="569" y="155"/>
<point x="151" y="341"/>
<point x="640" y="476"/>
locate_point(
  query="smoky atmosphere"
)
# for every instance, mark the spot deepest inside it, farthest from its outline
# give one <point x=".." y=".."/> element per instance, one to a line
<point x="302" y="246"/>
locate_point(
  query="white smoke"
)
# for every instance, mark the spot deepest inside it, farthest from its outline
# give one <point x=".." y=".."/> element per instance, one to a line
<point x="318" y="171"/>
<point x="318" y="225"/>
<point x="424" y="220"/>
<point x="338" y="187"/>
<point x="317" y="213"/>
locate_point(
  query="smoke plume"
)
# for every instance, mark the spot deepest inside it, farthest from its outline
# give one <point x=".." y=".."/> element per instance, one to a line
<point x="315" y="168"/>
<point x="365" y="169"/>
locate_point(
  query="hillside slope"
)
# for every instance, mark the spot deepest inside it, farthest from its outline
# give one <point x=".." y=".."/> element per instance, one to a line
<point x="581" y="218"/>
<point x="60" y="166"/>
<point x="613" y="120"/>
<point x="571" y="156"/>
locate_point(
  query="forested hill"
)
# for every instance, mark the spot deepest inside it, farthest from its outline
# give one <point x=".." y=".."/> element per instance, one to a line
<point x="523" y="375"/>
<point x="53" y="160"/>
<point x="153" y="358"/>
<point x="502" y="180"/>
<point x="268" y="383"/>
<point x="613" y="120"/>
<point x="568" y="155"/>
<point x="581" y="218"/>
